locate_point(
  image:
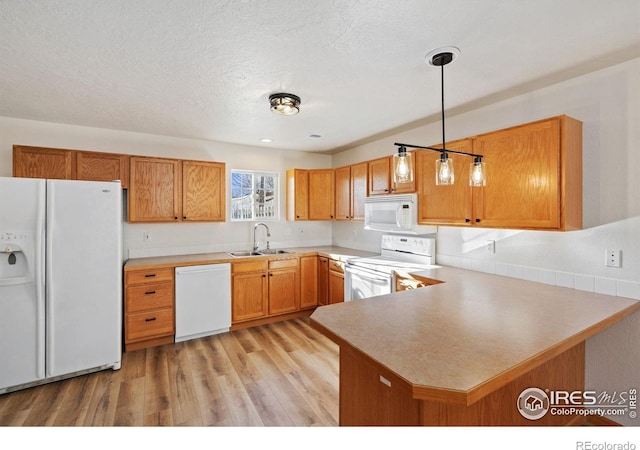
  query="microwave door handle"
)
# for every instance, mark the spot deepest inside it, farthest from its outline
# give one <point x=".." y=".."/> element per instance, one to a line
<point x="398" y="214"/>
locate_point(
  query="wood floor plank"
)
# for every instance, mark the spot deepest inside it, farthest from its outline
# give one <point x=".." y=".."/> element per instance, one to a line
<point x="280" y="374"/>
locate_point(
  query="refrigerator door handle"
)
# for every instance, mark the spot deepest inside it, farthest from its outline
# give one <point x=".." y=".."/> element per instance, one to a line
<point x="48" y="276"/>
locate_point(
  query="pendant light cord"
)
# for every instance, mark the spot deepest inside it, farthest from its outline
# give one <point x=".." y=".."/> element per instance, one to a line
<point x="442" y="105"/>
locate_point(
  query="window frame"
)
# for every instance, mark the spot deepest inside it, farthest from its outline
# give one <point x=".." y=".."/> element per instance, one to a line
<point x="253" y="203"/>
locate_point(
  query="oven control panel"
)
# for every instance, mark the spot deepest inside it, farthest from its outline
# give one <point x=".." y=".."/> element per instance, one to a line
<point x="421" y="245"/>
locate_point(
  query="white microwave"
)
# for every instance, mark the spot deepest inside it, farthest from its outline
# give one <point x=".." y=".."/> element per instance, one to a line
<point x="392" y="213"/>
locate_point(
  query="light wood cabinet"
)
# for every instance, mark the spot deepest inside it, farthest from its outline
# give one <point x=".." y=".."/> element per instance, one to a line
<point x="381" y="178"/>
<point x="155" y="190"/>
<point x="249" y="291"/>
<point x="57" y="163"/>
<point x="149" y="308"/>
<point x="297" y="194"/>
<point x="323" y="280"/>
<point x="321" y="194"/>
<point x="350" y="191"/>
<point x="336" y="281"/>
<point x="263" y="288"/>
<point x="203" y="191"/>
<point x="308" y="281"/>
<point x="98" y="166"/>
<point x="534" y="179"/>
<point x="172" y="190"/>
<point x="284" y="286"/>
<point x="43" y="162"/>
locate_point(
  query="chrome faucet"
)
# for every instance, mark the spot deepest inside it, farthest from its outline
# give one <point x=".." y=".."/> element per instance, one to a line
<point x="255" y="245"/>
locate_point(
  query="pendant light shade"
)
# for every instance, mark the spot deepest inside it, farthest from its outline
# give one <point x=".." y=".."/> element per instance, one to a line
<point x="284" y="104"/>
<point x="478" y="173"/>
<point x="402" y="166"/>
<point x="444" y="171"/>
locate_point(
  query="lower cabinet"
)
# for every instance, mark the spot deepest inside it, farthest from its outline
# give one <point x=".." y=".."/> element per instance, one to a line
<point x="309" y="282"/>
<point x="336" y="281"/>
<point x="263" y="288"/>
<point x="148" y="308"/>
<point x="323" y="280"/>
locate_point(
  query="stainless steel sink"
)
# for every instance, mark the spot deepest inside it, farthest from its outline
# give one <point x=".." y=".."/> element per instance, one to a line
<point x="272" y="251"/>
<point x="265" y="252"/>
<point x="241" y="254"/>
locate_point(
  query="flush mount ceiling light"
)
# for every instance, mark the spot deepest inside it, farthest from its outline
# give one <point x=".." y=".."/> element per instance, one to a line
<point x="284" y="104"/>
<point x="444" y="166"/>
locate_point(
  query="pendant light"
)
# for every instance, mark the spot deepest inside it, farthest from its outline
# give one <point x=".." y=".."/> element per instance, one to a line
<point x="402" y="166"/>
<point x="445" y="174"/>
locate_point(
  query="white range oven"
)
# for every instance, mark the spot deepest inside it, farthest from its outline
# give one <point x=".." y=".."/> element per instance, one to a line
<point x="372" y="276"/>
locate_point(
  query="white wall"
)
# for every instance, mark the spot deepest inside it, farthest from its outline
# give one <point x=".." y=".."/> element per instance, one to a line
<point x="608" y="104"/>
<point x="176" y="238"/>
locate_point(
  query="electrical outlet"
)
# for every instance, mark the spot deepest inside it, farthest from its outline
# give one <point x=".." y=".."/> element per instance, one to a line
<point x="491" y="246"/>
<point x="614" y="258"/>
<point x="146" y="236"/>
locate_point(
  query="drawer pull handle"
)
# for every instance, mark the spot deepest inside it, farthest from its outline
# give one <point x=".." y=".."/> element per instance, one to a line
<point x="150" y="319"/>
<point x="384" y="381"/>
<point x="149" y="292"/>
<point x="149" y="275"/>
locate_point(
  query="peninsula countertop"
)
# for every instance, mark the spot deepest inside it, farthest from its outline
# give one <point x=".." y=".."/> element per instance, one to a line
<point x="462" y="339"/>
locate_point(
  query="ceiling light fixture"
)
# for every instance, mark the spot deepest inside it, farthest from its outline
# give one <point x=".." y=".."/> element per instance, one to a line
<point x="445" y="174"/>
<point x="284" y="104"/>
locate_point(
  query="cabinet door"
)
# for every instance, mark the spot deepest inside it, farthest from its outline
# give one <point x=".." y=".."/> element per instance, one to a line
<point x="522" y="188"/>
<point x="297" y="194"/>
<point x="343" y="193"/>
<point x="323" y="280"/>
<point x="155" y="190"/>
<point x="336" y="287"/>
<point x="445" y="205"/>
<point x="283" y="291"/>
<point x="321" y="194"/>
<point x="379" y="170"/>
<point x="40" y="162"/>
<point x="249" y="296"/>
<point x="203" y="191"/>
<point x="96" y="166"/>
<point x="359" y="176"/>
<point x="308" y="281"/>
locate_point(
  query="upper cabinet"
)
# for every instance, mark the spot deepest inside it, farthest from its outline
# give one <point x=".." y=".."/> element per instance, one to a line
<point x="534" y="179"/>
<point x="97" y="166"/>
<point x="56" y="163"/>
<point x="297" y="194"/>
<point x="321" y="194"/>
<point x="42" y="162"/>
<point x="350" y="191"/>
<point x="203" y="191"/>
<point x="381" y="178"/>
<point x="172" y="190"/>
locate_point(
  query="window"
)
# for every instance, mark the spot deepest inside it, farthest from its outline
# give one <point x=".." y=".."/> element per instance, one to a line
<point x="254" y="195"/>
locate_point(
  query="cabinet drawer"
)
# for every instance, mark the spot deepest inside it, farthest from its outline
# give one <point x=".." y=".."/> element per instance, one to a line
<point x="149" y="324"/>
<point x="336" y="266"/>
<point x="151" y="296"/>
<point x="283" y="263"/>
<point x="148" y="276"/>
<point x="253" y="266"/>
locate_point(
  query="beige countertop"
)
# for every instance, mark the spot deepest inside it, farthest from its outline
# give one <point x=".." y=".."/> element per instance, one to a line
<point x="339" y="253"/>
<point x="460" y="340"/>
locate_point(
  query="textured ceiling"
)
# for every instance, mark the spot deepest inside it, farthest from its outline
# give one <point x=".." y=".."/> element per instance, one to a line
<point x="205" y="68"/>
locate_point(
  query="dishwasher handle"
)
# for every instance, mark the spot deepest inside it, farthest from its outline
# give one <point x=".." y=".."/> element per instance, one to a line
<point x="186" y="270"/>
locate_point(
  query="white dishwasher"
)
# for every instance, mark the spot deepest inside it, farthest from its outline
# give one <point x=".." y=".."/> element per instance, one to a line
<point x="203" y="300"/>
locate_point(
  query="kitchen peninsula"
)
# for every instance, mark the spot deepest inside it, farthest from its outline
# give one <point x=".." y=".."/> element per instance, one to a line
<point x="462" y="351"/>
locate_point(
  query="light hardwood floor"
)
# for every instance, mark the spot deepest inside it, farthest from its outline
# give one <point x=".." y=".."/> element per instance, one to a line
<point x="281" y="374"/>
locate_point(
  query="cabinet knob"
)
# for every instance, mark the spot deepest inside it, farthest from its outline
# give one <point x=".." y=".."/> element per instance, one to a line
<point x="175" y="218"/>
<point x="264" y="276"/>
<point x="331" y="216"/>
<point x="297" y="217"/>
<point x="386" y="190"/>
<point x="477" y="220"/>
<point x="184" y="217"/>
<point x="270" y="274"/>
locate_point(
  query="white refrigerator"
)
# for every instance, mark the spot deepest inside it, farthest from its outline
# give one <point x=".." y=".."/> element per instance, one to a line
<point x="60" y="279"/>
